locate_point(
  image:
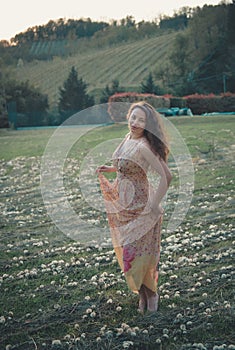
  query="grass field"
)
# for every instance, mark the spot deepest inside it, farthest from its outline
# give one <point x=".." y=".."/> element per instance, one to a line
<point x="57" y="293"/>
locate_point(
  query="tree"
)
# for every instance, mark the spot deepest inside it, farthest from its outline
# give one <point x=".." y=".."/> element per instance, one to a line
<point x="73" y="95"/>
<point x="149" y="87"/>
<point x="3" y="110"/>
<point x="109" y="91"/>
<point x="31" y="104"/>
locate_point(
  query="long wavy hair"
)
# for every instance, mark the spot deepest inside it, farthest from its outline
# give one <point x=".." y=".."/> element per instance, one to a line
<point x="154" y="131"/>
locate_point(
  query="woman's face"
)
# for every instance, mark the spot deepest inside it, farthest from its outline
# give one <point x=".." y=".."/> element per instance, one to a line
<point x="137" y="122"/>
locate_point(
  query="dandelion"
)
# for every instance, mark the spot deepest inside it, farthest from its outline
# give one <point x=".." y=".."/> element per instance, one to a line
<point x="67" y="337"/>
<point x="56" y="342"/>
<point x="109" y="333"/>
<point x="127" y="344"/>
<point x="173" y="277"/>
<point x="2" y="320"/>
<point x="200" y="346"/>
<point x="103" y="329"/>
<point x="125" y="325"/>
<point x="119" y="331"/>
<point x="87" y="298"/>
<point x="118" y="308"/>
<point x="110" y="301"/>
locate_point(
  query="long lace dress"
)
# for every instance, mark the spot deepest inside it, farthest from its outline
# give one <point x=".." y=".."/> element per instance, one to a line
<point x="135" y="231"/>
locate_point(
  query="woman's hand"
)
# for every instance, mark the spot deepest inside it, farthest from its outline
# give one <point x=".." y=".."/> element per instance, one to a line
<point x="105" y="169"/>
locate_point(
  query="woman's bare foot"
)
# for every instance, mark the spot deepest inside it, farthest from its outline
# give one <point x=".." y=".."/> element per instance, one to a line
<point x="152" y="303"/>
<point x="152" y="299"/>
<point x="142" y="300"/>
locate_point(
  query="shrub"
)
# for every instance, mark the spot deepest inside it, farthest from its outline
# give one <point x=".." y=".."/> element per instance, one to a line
<point x="200" y="104"/>
<point x="118" y="111"/>
<point x="177" y="102"/>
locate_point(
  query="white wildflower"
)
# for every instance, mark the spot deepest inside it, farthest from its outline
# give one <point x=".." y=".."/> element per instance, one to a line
<point x="127" y="344"/>
<point x="56" y="342"/>
<point x="2" y="320"/>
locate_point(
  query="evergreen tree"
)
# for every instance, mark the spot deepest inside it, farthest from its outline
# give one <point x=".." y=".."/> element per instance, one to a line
<point x="73" y="95"/>
<point x="31" y="104"/>
<point x="109" y="91"/>
<point x="149" y="87"/>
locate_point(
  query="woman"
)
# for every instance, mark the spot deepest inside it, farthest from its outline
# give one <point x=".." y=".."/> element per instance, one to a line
<point x="133" y="204"/>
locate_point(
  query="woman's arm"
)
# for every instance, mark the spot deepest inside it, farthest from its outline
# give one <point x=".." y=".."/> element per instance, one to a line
<point x="160" y="166"/>
<point x="106" y="169"/>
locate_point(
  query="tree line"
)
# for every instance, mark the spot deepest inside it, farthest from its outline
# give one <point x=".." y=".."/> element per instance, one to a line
<point x="25" y="105"/>
<point x="67" y="36"/>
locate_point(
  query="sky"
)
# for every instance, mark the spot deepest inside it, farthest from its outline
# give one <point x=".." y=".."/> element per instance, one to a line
<point x="18" y="15"/>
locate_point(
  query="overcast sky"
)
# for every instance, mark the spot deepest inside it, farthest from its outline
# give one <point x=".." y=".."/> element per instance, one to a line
<point x="18" y="15"/>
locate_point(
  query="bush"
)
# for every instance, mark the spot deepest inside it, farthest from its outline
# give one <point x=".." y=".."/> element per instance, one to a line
<point x="200" y="104"/>
<point x="177" y="102"/>
<point x="118" y="111"/>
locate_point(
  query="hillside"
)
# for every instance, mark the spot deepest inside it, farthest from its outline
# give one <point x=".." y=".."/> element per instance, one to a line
<point x="130" y="63"/>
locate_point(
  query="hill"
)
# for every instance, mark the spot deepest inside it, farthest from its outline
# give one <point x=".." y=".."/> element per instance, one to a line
<point x="130" y="63"/>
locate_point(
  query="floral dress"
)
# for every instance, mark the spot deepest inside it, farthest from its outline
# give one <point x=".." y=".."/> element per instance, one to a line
<point x="135" y="230"/>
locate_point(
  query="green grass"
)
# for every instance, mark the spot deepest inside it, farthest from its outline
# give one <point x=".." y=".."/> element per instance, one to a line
<point x="45" y="277"/>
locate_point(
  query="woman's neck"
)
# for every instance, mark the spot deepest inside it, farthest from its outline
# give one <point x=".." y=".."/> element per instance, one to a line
<point x="135" y="137"/>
